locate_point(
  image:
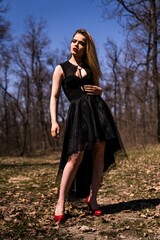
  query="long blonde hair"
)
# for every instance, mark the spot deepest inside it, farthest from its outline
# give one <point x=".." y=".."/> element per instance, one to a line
<point x="90" y="56"/>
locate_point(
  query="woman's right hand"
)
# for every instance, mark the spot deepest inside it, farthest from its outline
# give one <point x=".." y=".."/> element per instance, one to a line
<point x="92" y="89"/>
<point x="55" y="130"/>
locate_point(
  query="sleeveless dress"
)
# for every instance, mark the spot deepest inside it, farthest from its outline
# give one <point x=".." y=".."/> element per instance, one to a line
<point x="89" y="121"/>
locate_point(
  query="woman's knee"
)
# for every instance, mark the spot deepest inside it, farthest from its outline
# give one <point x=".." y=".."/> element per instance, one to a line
<point x="75" y="159"/>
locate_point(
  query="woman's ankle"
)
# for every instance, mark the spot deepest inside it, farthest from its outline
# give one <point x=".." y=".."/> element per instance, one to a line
<point x="59" y="209"/>
<point x="93" y="201"/>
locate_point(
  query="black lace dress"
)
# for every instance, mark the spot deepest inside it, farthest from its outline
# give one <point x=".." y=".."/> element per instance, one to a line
<point x="89" y="121"/>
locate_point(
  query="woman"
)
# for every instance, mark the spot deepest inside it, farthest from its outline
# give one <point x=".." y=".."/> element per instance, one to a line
<point x="91" y="137"/>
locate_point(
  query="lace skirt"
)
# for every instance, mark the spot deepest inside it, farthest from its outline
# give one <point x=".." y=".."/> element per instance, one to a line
<point x="89" y="121"/>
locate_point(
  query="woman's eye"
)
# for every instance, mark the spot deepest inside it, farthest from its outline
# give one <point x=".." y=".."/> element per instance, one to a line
<point x="74" y="40"/>
<point x="79" y="42"/>
<point x="82" y="43"/>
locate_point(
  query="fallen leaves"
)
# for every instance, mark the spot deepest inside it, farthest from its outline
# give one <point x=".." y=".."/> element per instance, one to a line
<point x="18" y="179"/>
<point x="129" y="196"/>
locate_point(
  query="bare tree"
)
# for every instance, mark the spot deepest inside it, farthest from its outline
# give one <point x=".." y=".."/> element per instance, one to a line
<point x="4" y="82"/>
<point x="141" y="20"/>
<point x="30" y="68"/>
<point x="113" y="55"/>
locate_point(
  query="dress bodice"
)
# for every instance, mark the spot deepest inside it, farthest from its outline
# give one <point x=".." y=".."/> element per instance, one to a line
<point x="72" y="84"/>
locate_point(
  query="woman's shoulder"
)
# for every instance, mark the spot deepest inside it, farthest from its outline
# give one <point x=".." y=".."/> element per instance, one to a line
<point x="61" y="66"/>
<point x="64" y="65"/>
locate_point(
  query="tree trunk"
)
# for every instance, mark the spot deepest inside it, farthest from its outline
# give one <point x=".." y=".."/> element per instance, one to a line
<point x="154" y="64"/>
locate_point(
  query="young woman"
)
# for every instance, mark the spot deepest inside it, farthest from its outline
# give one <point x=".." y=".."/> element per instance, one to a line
<point x="91" y="138"/>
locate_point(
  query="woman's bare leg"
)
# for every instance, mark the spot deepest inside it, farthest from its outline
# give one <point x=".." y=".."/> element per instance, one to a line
<point x="98" y="165"/>
<point x="67" y="179"/>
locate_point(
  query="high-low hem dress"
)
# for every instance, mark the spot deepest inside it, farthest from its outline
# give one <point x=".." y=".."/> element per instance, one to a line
<point x="89" y="121"/>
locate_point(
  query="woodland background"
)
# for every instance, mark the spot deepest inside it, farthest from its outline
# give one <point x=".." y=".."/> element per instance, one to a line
<point x="131" y="82"/>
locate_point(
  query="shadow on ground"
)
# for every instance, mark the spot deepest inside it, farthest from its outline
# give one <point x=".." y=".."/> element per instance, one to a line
<point x="134" y="205"/>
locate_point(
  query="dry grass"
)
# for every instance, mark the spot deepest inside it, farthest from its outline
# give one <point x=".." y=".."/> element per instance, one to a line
<point x="129" y="197"/>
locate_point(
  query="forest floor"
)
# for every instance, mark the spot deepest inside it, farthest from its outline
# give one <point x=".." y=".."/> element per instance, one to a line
<point x="129" y="197"/>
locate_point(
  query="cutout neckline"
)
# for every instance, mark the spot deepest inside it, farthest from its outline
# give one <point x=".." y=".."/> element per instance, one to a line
<point x="79" y="68"/>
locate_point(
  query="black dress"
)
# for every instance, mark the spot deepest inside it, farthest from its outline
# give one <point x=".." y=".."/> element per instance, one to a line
<point x="89" y="121"/>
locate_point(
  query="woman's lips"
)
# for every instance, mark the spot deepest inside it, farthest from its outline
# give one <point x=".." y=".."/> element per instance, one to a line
<point x="75" y="49"/>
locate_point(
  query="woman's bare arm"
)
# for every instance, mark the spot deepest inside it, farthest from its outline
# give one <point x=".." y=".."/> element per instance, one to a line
<point x="56" y="85"/>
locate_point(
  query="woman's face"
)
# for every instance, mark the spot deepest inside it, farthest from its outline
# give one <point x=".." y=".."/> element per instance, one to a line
<point x="78" y="45"/>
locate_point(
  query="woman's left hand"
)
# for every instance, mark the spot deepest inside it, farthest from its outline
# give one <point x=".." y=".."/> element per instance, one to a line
<point x="92" y="89"/>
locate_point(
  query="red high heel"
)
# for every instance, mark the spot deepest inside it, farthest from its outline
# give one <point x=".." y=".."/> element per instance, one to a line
<point x="59" y="218"/>
<point x="95" y="212"/>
